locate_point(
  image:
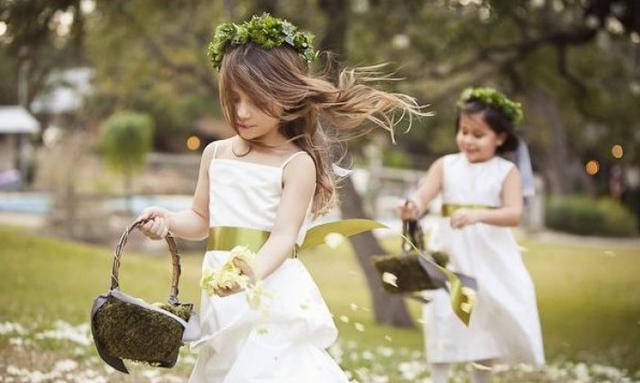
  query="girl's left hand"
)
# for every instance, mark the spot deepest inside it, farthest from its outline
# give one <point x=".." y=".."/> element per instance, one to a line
<point x="464" y="217"/>
<point x="226" y="291"/>
<point x="246" y="270"/>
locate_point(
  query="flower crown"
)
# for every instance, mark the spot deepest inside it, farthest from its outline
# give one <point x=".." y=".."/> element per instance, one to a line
<point x="494" y="99"/>
<point x="266" y="31"/>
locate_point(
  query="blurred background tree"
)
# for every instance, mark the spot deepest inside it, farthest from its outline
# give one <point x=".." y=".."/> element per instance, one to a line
<point x="37" y="37"/>
<point x="124" y="144"/>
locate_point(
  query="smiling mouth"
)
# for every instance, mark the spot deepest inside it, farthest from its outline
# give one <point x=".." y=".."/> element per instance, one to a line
<point x="242" y="126"/>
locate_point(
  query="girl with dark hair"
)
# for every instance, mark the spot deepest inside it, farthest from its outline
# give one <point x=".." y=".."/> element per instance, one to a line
<point x="482" y="198"/>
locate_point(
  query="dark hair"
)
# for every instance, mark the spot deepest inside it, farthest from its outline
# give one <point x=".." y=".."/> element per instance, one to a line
<point x="497" y="121"/>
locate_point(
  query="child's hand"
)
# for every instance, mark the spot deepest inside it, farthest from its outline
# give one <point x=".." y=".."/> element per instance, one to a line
<point x="407" y="210"/>
<point x="464" y="217"/>
<point x="158" y="225"/>
<point x="226" y="291"/>
<point x="244" y="269"/>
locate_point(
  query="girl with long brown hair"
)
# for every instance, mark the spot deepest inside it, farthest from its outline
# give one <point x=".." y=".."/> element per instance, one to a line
<point x="271" y="178"/>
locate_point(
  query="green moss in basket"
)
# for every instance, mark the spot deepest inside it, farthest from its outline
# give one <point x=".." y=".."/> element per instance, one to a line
<point x="182" y="310"/>
<point x="410" y="277"/>
<point x="132" y="332"/>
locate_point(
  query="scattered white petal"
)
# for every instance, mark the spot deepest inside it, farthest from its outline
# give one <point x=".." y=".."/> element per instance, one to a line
<point x="390" y="279"/>
<point x="65" y="365"/>
<point x="480" y="366"/>
<point x="333" y="240"/>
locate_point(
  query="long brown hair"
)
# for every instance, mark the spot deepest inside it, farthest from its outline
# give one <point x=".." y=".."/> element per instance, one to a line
<point x="278" y="80"/>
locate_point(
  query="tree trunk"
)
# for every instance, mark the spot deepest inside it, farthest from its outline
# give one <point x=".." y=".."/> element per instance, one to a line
<point x="388" y="309"/>
<point x="557" y="164"/>
<point x="336" y="12"/>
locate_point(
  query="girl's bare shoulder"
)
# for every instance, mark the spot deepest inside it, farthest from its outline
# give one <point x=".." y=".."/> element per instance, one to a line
<point x="218" y="146"/>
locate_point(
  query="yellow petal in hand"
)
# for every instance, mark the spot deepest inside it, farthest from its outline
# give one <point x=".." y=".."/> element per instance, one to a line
<point x="243" y="253"/>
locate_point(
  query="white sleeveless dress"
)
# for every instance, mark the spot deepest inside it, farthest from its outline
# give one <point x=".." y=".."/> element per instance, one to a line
<point x="284" y="343"/>
<point x="504" y="325"/>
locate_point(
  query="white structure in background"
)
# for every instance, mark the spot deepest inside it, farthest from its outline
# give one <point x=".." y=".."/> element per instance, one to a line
<point x="16" y="150"/>
<point x="55" y="106"/>
<point x="66" y="92"/>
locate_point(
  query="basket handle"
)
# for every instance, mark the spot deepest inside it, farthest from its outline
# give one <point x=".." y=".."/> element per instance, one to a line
<point x="175" y="260"/>
<point x="412" y="231"/>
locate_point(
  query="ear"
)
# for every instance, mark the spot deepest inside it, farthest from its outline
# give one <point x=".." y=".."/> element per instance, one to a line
<point x="502" y="138"/>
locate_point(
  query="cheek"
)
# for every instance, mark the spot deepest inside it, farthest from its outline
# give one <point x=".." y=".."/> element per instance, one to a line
<point x="489" y="144"/>
<point x="266" y="120"/>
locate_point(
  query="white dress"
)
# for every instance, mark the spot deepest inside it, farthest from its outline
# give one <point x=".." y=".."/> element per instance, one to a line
<point x="284" y="343"/>
<point x="504" y="325"/>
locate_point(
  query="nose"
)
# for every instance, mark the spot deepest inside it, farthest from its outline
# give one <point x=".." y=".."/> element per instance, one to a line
<point x="242" y="110"/>
<point x="467" y="139"/>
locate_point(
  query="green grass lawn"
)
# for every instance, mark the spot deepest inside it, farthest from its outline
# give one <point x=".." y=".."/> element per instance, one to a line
<point x="589" y="298"/>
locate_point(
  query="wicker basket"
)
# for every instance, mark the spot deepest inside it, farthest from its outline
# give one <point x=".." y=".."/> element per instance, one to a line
<point x="124" y="327"/>
<point x="414" y="269"/>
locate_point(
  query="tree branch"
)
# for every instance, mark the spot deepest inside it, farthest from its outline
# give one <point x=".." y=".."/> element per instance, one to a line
<point x="160" y="55"/>
<point x="520" y="49"/>
<point x="580" y="88"/>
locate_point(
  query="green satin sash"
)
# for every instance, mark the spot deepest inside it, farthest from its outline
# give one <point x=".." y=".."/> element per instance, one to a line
<point x="226" y="238"/>
<point x="449" y="208"/>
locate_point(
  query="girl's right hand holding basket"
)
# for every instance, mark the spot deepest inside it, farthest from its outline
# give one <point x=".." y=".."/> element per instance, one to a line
<point x="407" y="210"/>
<point x="157" y="226"/>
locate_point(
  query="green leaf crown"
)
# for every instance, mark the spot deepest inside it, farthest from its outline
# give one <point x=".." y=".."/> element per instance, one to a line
<point x="266" y="31"/>
<point x="495" y="99"/>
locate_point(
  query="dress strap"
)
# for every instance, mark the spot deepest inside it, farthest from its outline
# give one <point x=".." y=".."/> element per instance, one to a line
<point x="294" y="155"/>
<point x="215" y="150"/>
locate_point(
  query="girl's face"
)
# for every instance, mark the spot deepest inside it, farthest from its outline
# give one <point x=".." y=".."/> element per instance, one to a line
<point x="252" y="122"/>
<point x="476" y="139"/>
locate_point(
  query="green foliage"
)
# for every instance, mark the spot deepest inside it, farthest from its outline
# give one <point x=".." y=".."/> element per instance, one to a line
<point x="582" y="215"/>
<point x="266" y="31"/>
<point x="494" y="99"/>
<point x="126" y="140"/>
<point x="32" y="36"/>
<point x="396" y="158"/>
<point x="151" y="59"/>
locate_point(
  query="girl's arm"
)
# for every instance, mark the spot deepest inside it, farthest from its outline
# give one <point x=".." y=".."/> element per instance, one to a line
<point x="509" y="214"/>
<point x="188" y="224"/>
<point x="299" y="183"/>
<point x="429" y="188"/>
